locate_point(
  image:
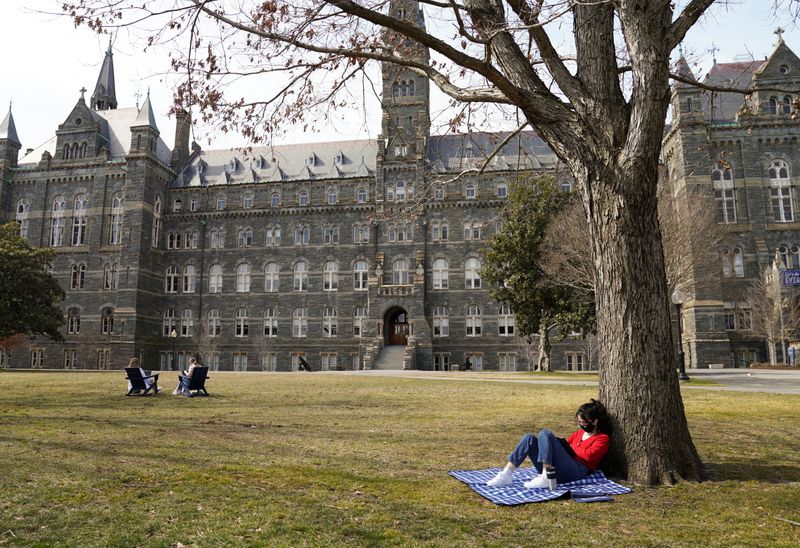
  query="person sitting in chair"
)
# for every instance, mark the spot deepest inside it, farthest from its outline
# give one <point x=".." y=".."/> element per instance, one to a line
<point x="184" y="377"/>
<point x="147" y="382"/>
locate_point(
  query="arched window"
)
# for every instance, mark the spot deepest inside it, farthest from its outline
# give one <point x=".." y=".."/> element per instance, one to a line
<point x="79" y="211"/>
<point x="300" y="276"/>
<point x="57" y="221"/>
<point x="156" y="222"/>
<point x="247" y="200"/>
<point x="187" y="323"/>
<point x="781" y="192"/>
<point x="566" y="186"/>
<point x="300" y="323"/>
<point x="474" y="322"/>
<point x="243" y="278"/>
<point x="725" y="255"/>
<point x="472" y="278"/>
<point x="302" y="198"/>
<point x="189" y="277"/>
<point x="360" y="276"/>
<point x="787" y="104"/>
<point x="400" y="272"/>
<point x="439" y="231"/>
<point x="773" y="105"/>
<point x="502" y="190"/>
<point x="330" y="234"/>
<point x="738" y="261"/>
<point x="23" y="211"/>
<point x="441" y="322"/>
<point x="395" y="89"/>
<point x="469" y="191"/>
<point x="505" y="321"/>
<point x="241" y="323"/>
<point x="168" y="322"/>
<point x="220" y="204"/>
<point x="411" y="87"/>
<point x="214" y="325"/>
<point x="400" y="190"/>
<point x="330" y="323"/>
<point x="361" y="195"/>
<point x="111" y="276"/>
<point x="302" y="235"/>
<point x="440" y="274"/>
<point x="171" y="280"/>
<point x="78" y="276"/>
<point x="177" y="205"/>
<point x="275" y="199"/>
<point x="271" y="277"/>
<point x="215" y="278"/>
<point x="245" y="238"/>
<point x="330" y="276"/>
<point x="333" y="195"/>
<point x="724" y="194"/>
<point x="359" y="316"/>
<point x="272" y="236"/>
<point x="270" y="322"/>
<point x="217" y="238"/>
<point x="73" y="321"/>
<point x="403" y="88"/>
<point x="472" y="230"/>
<point x="107" y="321"/>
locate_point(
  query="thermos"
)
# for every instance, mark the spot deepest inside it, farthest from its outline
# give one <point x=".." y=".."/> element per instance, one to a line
<point x="551" y="479"/>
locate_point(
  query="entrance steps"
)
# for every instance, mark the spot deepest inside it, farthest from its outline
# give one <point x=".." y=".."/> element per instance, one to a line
<point x="391" y="357"/>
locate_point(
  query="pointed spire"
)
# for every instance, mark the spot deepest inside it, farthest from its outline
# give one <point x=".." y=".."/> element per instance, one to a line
<point x="7" y="128"/>
<point x="105" y="95"/>
<point x="146" y="117"/>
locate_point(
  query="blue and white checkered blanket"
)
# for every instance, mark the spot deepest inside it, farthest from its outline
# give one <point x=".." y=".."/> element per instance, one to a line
<point x="593" y="488"/>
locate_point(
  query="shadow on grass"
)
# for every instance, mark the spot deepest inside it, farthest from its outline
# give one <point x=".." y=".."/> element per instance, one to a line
<point x="751" y="471"/>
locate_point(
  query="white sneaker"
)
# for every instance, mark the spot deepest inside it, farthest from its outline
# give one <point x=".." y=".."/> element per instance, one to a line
<point x="502" y="479"/>
<point x="539" y="482"/>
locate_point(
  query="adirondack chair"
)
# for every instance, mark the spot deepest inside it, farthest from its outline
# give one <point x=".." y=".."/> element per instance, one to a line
<point x="138" y="385"/>
<point x="195" y="383"/>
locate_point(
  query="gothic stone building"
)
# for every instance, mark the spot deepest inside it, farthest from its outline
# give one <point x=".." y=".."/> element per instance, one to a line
<point x="257" y="259"/>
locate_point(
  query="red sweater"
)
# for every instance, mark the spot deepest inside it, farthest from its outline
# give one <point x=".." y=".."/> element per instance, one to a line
<point x="591" y="450"/>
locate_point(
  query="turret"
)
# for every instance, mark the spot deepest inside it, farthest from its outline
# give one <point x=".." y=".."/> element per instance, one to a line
<point x="9" y="142"/>
<point x="687" y="100"/>
<point x="144" y="131"/>
<point x="105" y="95"/>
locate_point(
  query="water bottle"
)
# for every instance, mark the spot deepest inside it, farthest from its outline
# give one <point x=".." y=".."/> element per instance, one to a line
<point x="551" y="479"/>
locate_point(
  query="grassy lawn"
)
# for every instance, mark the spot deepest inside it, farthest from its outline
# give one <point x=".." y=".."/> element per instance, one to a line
<point x="328" y="459"/>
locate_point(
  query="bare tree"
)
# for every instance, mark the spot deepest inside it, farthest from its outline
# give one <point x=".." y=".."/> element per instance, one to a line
<point x="205" y="343"/>
<point x="599" y="102"/>
<point x="529" y="349"/>
<point x="774" y="311"/>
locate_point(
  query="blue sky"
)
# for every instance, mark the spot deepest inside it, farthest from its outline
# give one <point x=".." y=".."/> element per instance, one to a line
<point x="49" y="61"/>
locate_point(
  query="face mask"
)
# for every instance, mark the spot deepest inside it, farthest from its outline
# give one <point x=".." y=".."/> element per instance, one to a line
<point x="587" y="427"/>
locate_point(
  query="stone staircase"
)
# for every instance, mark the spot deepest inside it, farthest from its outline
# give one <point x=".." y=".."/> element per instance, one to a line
<point x="391" y="357"/>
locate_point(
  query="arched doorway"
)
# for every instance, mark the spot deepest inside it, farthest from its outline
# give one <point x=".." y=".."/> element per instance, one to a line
<point x="395" y="327"/>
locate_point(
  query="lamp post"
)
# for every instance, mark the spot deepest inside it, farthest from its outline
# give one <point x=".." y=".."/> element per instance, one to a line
<point x="677" y="300"/>
<point x="174" y="337"/>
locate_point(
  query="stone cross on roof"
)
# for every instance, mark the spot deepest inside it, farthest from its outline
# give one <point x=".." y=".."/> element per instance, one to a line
<point x="779" y="32"/>
<point x="83" y="90"/>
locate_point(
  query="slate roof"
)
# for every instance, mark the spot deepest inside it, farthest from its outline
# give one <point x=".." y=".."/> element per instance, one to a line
<point x="450" y="153"/>
<point x="721" y="107"/>
<point x="7" y="128"/>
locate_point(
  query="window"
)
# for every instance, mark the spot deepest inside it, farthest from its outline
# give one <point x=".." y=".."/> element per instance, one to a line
<point x="171" y="280"/>
<point x="438" y="192"/>
<point x="502" y="190"/>
<point x="302" y="235"/>
<point x="245" y="238"/>
<point x="220" y="203"/>
<point x="738" y="262"/>
<point x="330" y="323"/>
<point x="214" y="324"/>
<point x="156" y="222"/>
<point x="476" y="360"/>
<point x="192" y="238"/>
<point x="111" y="276"/>
<point x="115" y="226"/>
<point x="215" y="278"/>
<point x="187" y="323"/>
<point x="400" y="272"/>
<point x="271" y="277"/>
<point x="79" y="220"/>
<point x="73" y="321"/>
<point x="725" y="197"/>
<point x="472" y="279"/>
<point x="781" y="192"/>
<point x="243" y="278"/>
<point x="472" y="230"/>
<point x="300" y="323"/>
<point x="78" y="277"/>
<point x="103" y="358"/>
<point x="328" y="361"/>
<point x="359" y="317"/>
<point x="787" y="104"/>
<point x="57" y="222"/>
<point x="275" y="199"/>
<point x="744" y="318"/>
<point x="565" y="186"/>
<point x="302" y="199"/>
<point x="474" y="321"/>
<point x="439" y="231"/>
<point x="107" y="321"/>
<point x="296" y="357"/>
<point x="5" y="358"/>
<point x="70" y="358"/>
<point x="217" y="238"/>
<point x="400" y="191"/>
<point x="507" y="361"/>
<point x="330" y="276"/>
<point x="269" y="361"/>
<point x="362" y="196"/>
<point x="194" y="205"/>
<point x="272" y="236"/>
<point x="241" y="324"/>
<point x="333" y="195"/>
<point x="575" y="361"/>
<point x="270" y="322"/>
<point x="505" y="321"/>
<point x="37" y="358"/>
<point x="440" y="274"/>
<point x="360" y="276"/>
<point x="173" y="240"/>
<point x="240" y="361"/>
<point x="730" y="315"/>
<point x="441" y="322"/>
<point x="361" y="234"/>
<point x="177" y="205"/>
<point x="168" y="322"/>
<point x="330" y="234"/>
<point x="441" y="362"/>
<point x="247" y="200"/>
<point x="189" y="277"/>
<point x="23" y="210"/>
<point x="300" y="276"/>
<point x="773" y="105"/>
<point x="403" y="232"/>
<point x="469" y="191"/>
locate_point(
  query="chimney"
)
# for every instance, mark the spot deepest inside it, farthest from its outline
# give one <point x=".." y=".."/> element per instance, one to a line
<point x="183" y="127"/>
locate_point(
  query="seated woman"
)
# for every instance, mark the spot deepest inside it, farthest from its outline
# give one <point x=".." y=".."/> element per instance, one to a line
<point x="147" y="382"/>
<point x="183" y="378"/>
<point x="573" y="459"/>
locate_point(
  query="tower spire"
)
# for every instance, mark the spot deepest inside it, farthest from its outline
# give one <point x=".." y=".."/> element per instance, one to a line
<point x="105" y="96"/>
<point x="7" y="128"/>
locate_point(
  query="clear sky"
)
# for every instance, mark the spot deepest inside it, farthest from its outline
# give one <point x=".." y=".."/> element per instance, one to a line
<point x="46" y="62"/>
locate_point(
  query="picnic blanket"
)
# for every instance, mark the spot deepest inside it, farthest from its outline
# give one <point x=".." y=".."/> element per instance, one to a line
<point x="593" y="488"/>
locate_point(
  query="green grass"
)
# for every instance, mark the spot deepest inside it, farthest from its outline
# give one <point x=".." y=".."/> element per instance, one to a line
<point x="327" y="459"/>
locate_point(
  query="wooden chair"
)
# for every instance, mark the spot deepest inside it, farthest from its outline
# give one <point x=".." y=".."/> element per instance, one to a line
<point x="138" y="385"/>
<point x="195" y="383"/>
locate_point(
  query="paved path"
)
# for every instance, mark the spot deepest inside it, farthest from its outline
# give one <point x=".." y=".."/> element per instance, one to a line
<point x="740" y="380"/>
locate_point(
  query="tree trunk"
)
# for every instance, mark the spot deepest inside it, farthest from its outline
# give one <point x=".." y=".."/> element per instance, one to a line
<point x="773" y="358"/>
<point x="543" y="363"/>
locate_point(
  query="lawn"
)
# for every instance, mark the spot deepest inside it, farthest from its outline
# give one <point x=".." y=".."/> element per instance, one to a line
<point x="330" y="459"/>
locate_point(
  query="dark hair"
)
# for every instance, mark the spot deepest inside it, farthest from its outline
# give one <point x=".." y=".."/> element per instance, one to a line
<point x="592" y="411"/>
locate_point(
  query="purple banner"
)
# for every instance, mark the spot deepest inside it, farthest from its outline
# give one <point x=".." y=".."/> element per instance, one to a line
<point x="791" y="277"/>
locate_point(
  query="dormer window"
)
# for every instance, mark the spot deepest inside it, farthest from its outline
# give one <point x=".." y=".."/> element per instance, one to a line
<point x="339" y="159"/>
<point x="302" y="198"/>
<point x="201" y="167"/>
<point x="259" y="163"/>
<point x="311" y="161"/>
<point x="232" y="165"/>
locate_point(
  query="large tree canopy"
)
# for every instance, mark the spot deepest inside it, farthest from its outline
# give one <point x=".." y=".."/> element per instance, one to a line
<point x="598" y="97"/>
<point x="29" y="296"/>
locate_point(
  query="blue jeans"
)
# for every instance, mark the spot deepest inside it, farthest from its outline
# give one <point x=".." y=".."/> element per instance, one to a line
<point x="546" y="449"/>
